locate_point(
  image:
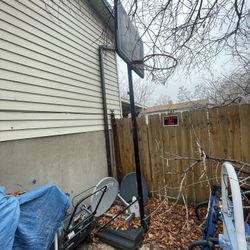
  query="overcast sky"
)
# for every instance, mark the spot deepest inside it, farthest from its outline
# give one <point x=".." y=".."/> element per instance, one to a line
<point x="223" y="65"/>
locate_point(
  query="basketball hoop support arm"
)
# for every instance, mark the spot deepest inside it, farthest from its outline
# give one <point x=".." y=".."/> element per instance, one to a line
<point x="136" y="146"/>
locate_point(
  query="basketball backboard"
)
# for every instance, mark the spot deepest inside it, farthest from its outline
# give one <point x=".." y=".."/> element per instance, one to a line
<point x="129" y="45"/>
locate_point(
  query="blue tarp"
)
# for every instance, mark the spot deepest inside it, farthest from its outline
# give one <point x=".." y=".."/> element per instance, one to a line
<point x="9" y="216"/>
<point x="41" y="213"/>
<point x="32" y="219"/>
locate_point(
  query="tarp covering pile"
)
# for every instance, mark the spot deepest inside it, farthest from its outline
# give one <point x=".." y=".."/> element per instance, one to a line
<point x="32" y="219"/>
<point x="9" y="216"/>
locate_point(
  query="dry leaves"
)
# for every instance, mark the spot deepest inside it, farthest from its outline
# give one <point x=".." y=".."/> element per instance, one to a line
<point x="168" y="230"/>
<point x="171" y="230"/>
<point x="17" y="193"/>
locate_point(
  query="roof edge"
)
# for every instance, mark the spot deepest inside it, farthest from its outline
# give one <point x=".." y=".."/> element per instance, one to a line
<point x="105" y="11"/>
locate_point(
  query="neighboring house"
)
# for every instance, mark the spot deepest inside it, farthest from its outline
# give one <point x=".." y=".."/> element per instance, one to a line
<point x="126" y="108"/>
<point x="51" y="102"/>
<point x="177" y="107"/>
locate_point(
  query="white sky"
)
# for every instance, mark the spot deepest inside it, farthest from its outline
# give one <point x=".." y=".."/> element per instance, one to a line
<point x="222" y="65"/>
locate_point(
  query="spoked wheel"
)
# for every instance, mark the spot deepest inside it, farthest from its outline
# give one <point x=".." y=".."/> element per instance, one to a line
<point x="201" y="244"/>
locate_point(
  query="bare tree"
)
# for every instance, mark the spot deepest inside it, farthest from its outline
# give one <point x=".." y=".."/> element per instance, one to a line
<point x="234" y="88"/>
<point x="143" y="91"/>
<point x="163" y="99"/>
<point x="190" y="33"/>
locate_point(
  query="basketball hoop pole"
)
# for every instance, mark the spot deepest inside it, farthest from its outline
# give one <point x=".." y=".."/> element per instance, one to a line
<point x="136" y="146"/>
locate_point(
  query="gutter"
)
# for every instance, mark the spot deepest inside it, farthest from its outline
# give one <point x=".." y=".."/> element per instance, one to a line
<point x="105" y="12"/>
<point x="102" y="48"/>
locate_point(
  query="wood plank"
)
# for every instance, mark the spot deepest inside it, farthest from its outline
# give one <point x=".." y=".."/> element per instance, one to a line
<point x="233" y="132"/>
<point x="187" y="149"/>
<point x="156" y="152"/>
<point x="117" y="149"/>
<point x="171" y="167"/>
<point x="126" y="146"/>
<point x="244" y="112"/>
<point x="200" y="136"/>
<point x="144" y="151"/>
<point x="168" y="177"/>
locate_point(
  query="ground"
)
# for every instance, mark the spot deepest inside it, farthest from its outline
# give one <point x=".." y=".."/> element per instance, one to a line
<point x="171" y="227"/>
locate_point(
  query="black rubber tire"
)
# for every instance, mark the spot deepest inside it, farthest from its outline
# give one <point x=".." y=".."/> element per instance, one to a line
<point x="203" y="204"/>
<point x="201" y="244"/>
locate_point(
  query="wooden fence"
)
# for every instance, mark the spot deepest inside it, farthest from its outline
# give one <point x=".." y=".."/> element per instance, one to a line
<point x="221" y="132"/>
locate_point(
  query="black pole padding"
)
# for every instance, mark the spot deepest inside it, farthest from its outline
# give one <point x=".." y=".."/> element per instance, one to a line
<point x="136" y="146"/>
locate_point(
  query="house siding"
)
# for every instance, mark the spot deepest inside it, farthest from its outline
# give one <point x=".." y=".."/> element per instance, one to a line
<point x="49" y="69"/>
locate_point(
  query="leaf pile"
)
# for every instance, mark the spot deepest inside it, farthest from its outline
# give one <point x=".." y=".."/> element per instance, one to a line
<point x="173" y="229"/>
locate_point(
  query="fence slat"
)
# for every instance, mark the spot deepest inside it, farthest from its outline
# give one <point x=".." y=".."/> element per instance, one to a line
<point x="187" y="151"/>
<point x="144" y="151"/>
<point x="126" y="146"/>
<point x="244" y="112"/>
<point x="156" y="151"/>
<point x="202" y="173"/>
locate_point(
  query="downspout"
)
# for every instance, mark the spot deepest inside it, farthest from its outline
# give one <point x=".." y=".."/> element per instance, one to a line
<point x="104" y="104"/>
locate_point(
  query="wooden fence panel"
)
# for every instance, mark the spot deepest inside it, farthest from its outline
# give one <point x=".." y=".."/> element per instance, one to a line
<point x="221" y="132"/>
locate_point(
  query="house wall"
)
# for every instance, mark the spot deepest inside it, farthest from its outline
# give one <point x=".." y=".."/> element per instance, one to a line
<point x="74" y="162"/>
<point x="49" y="69"/>
<point x="51" y="114"/>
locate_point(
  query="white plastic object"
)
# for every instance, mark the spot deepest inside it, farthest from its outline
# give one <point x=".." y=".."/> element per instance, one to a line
<point x="104" y="203"/>
<point x="135" y="207"/>
<point x="236" y="236"/>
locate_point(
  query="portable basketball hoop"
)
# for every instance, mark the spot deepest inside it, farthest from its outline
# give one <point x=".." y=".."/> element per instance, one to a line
<point x="129" y="47"/>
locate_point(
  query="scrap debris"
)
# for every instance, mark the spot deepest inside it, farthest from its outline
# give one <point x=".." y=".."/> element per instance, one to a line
<point x="174" y="229"/>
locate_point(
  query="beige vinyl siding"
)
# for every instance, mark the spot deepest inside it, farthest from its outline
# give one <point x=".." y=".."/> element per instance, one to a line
<point x="111" y="87"/>
<point x="49" y="69"/>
